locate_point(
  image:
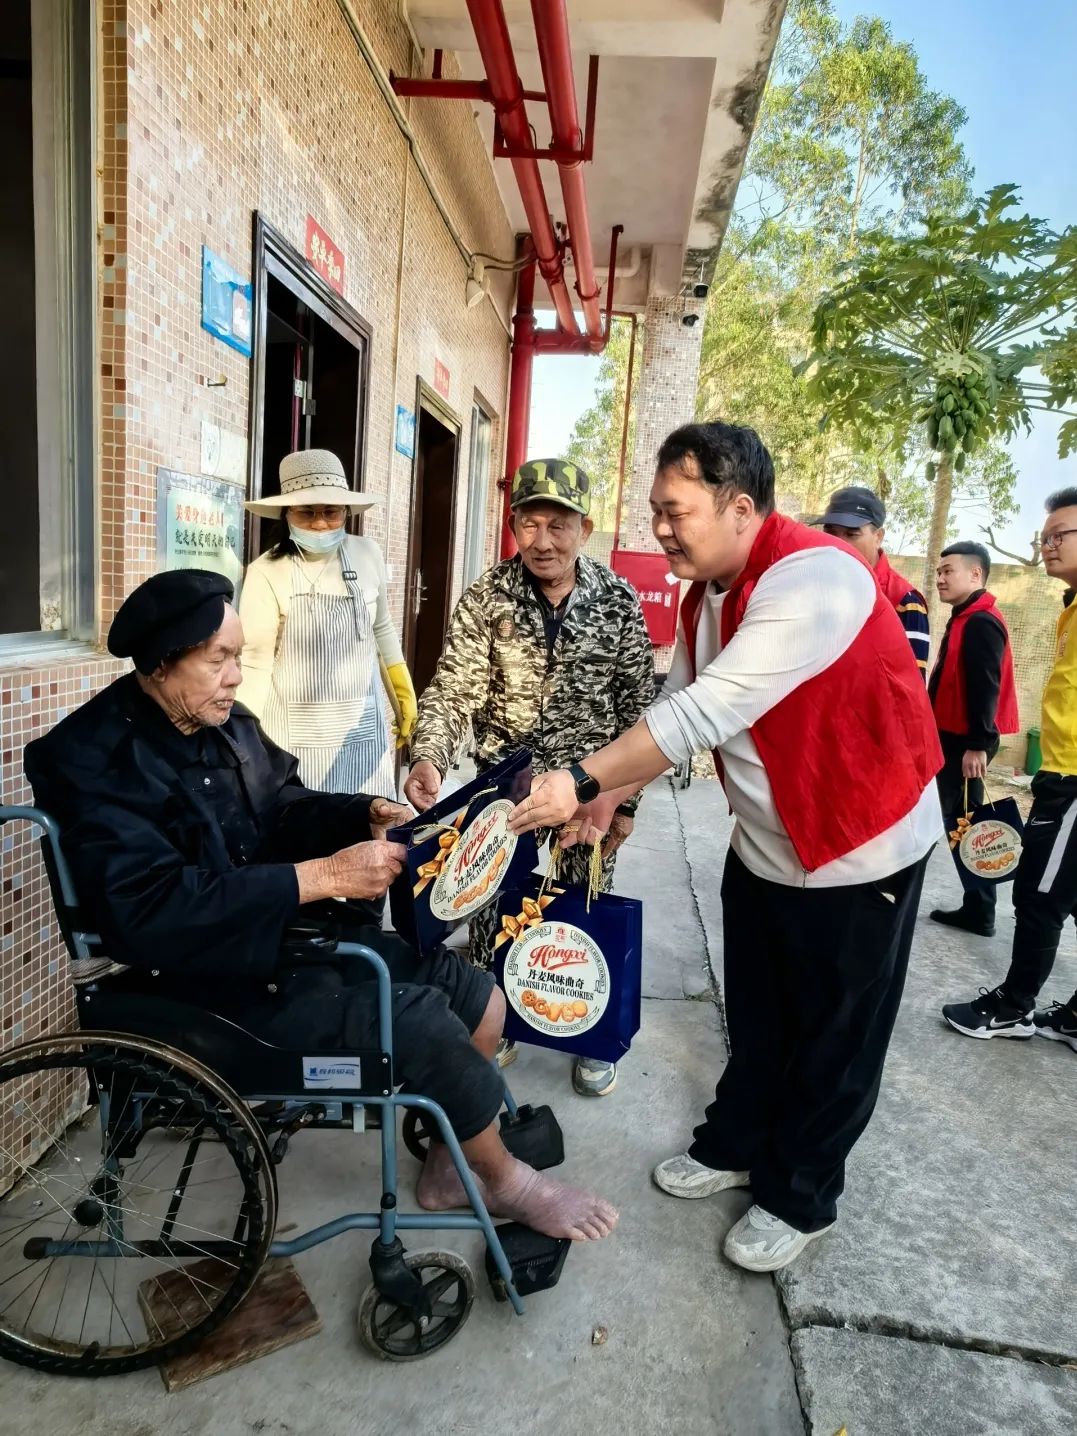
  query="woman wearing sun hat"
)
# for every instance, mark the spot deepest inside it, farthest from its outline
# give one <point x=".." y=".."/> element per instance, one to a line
<point x="316" y="623"/>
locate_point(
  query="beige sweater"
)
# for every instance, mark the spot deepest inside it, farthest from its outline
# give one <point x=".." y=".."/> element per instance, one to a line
<point x="267" y="593"/>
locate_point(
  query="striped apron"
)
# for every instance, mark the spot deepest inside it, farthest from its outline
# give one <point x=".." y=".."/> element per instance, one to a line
<point x="325" y="704"/>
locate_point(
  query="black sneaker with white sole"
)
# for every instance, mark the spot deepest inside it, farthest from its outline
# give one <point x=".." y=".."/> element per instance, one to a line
<point x="992" y="1014"/>
<point x="1057" y="1022"/>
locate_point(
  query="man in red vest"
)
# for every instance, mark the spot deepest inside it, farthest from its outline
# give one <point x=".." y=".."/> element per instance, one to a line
<point x="973" y="695"/>
<point x="793" y="667"/>
<point x="859" y="517"/>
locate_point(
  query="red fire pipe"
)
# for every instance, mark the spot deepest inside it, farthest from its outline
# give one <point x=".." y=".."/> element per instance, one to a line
<point x="518" y="421"/>
<point x="555" y="57"/>
<point x="507" y="92"/>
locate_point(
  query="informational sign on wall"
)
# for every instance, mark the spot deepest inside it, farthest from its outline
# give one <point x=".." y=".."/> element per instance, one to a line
<point x="405" y="432"/>
<point x="326" y="257"/>
<point x="199" y="523"/>
<point x="442" y="378"/>
<point x="226" y="303"/>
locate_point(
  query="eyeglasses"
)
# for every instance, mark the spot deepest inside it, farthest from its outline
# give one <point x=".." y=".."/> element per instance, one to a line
<point x="1054" y="540"/>
<point x="332" y="513"/>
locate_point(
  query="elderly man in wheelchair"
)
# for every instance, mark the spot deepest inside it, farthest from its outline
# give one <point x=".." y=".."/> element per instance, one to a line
<point x="209" y="874"/>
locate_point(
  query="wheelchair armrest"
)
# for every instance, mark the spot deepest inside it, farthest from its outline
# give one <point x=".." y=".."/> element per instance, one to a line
<point x="308" y="942"/>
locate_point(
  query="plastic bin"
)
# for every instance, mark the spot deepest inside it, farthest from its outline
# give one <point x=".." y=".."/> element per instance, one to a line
<point x="1033" y="754"/>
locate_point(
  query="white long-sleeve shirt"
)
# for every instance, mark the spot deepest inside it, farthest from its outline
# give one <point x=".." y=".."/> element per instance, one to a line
<point x="803" y="613"/>
<point x="267" y="595"/>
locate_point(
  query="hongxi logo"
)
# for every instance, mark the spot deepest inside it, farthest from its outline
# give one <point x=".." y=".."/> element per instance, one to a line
<point x="476" y="866"/>
<point x="557" y="979"/>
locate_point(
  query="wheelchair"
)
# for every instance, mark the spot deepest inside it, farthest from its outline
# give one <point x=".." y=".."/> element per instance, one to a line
<point x="138" y="1174"/>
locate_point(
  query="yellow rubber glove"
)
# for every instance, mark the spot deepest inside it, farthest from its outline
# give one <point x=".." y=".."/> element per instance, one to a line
<point x="407" y="705"/>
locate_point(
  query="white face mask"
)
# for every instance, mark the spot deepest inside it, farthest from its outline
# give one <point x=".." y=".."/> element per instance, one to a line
<point x="317" y="540"/>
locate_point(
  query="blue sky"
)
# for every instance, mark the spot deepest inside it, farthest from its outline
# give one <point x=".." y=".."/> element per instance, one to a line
<point x="1012" y="69"/>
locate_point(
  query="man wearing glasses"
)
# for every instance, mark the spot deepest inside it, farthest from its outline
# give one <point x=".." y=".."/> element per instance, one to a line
<point x="1045" y="888"/>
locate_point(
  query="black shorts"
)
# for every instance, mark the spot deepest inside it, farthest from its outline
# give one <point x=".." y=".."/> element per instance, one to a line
<point x="437" y="1003"/>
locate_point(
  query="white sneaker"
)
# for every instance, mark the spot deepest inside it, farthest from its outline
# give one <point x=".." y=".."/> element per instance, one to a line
<point x="683" y="1176"/>
<point x="763" y="1242"/>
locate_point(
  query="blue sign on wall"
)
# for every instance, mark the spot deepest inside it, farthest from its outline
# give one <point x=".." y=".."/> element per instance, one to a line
<point x="405" y="432"/>
<point x="226" y="303"/>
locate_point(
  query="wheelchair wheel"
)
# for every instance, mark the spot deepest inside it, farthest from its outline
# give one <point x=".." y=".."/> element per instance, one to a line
<point x="415" y="1138"/>
<point x="138" y="1203"/>
<point x="390" y="1331"/>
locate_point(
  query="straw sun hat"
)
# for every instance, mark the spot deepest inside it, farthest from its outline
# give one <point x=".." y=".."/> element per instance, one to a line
<point x="311" y="476"/>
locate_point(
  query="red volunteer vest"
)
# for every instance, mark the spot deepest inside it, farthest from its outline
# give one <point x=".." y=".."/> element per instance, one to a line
<point x="891" y="582"/>
<point x="850" y="751"/>
<point x="950" y="702"/>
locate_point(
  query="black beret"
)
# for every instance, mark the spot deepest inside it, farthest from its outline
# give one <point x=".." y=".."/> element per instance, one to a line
<point x="169" y="612"/>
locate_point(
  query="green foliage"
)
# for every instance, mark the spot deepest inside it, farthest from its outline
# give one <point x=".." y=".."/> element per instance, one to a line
<point x="945" y="329"/>
<point x="850" y="140"/>
<point x="596" y="439"/>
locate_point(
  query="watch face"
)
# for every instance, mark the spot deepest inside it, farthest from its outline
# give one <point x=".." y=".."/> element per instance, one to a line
<point x="587" y="788"/>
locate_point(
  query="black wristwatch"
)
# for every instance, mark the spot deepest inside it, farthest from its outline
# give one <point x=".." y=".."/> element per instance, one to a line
<point x="587" y="788"/>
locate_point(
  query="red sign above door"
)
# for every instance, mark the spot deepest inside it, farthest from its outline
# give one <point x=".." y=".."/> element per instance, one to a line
<point x="326" y="257"/>
<point x="648" y="573"/>
<point x="441" y="378"/>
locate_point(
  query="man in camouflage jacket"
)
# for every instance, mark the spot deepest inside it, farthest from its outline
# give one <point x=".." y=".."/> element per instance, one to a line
<point x="547" y="651"/>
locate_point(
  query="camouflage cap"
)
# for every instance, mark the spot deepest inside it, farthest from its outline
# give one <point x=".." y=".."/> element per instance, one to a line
<point x="555" y="481"/>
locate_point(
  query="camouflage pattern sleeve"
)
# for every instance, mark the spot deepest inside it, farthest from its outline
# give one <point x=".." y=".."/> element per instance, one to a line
<point x="634" y="683"/>
<point x="459" y="688"/>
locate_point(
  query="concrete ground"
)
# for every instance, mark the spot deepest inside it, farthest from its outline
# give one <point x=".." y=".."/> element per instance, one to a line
<point x="943" y="1300"/>
<point x="940" y="1303"/>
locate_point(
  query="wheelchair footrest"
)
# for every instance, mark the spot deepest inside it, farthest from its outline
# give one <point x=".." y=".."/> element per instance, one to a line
<point x="536" y="1260"/>
<point x="534" y="1136"/>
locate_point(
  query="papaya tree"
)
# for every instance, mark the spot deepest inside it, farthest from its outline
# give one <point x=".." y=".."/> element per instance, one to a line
<point x="957" y="335"/>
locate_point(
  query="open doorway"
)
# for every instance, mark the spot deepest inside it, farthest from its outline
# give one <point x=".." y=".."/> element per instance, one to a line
<point x="431" y="538"/>
<point x="309" y="370"/>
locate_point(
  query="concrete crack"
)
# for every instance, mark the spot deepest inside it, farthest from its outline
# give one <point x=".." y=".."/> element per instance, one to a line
<point x="929" y="1336"/>
<point x="715" y="988"/>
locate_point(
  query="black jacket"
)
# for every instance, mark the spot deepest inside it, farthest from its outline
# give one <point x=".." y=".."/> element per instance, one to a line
<point x="182" y="848"/>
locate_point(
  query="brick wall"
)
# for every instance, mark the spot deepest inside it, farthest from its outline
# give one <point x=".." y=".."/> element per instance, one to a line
<point x="208" y="111"/>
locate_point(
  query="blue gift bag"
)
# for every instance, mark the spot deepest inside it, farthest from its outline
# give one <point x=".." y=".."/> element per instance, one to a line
<point x="461" y="854"/>
<point x="571" y="971"/>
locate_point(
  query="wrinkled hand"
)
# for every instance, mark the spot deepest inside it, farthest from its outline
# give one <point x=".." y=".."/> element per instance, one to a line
<point x="366" y="870"/>
<point x="423" y="786"/>
<point x="974" y="764"/>
<point x="385" y="814"/>
<point x="551" y="804"/>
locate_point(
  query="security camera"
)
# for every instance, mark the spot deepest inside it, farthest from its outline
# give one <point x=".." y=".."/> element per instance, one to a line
<point x="700" y="290"/>
<point x="688" y="320"/>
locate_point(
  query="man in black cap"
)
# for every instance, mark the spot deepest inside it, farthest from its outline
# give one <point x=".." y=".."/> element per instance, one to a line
<point x="859" y="517"/>
<point x="195" y="848"/>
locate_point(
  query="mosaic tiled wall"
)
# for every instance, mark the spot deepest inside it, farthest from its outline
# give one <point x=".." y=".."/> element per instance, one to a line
<point x="209" y="110"/>
<point x="35" y="995"/>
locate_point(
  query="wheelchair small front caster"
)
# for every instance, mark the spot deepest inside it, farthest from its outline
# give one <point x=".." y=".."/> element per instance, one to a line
<point x="392" y="1330"/>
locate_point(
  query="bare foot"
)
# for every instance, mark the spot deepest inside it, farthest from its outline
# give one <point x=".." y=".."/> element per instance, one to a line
<point x="439" y="1187"/>
<point x="553" y="1208"/>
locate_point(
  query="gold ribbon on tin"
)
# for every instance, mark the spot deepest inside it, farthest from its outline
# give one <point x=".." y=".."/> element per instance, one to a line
<point x="530" y="915"/>
<point x="430" y="871"/>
